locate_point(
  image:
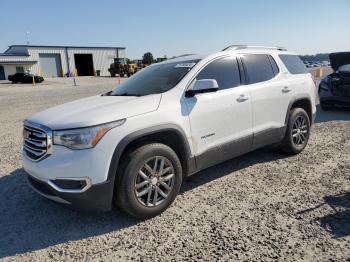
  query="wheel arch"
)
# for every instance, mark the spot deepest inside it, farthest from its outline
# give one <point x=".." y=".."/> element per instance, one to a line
<point x="300" y="102"/>
<point x="168" y="134"/>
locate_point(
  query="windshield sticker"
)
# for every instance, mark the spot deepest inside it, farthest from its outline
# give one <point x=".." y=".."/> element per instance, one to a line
<point x="185" y="65"/>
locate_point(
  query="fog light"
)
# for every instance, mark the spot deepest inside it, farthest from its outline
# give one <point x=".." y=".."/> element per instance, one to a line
<point x="68" y="184"/>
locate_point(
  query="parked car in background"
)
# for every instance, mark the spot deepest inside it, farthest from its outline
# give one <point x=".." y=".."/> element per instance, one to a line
<point x="326" y="63"/>
<point x="25" y="78"/>
<point x="134" y="145"/>
<point x="334" y="89"/>
<point x="309" y="64"/>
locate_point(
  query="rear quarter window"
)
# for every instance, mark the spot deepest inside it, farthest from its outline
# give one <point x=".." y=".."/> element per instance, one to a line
<point x="294" y="64"/>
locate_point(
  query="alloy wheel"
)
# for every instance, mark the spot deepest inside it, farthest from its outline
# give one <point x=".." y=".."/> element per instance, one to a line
<point x="300" y="131"/>
<point x="154" y="181"/>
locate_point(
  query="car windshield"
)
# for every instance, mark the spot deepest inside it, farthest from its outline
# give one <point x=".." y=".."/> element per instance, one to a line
<point x="344" y="68"/>
<point x="154" y="79"/>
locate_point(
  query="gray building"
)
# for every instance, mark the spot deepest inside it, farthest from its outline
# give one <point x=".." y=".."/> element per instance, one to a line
<point x="58" y="61"/>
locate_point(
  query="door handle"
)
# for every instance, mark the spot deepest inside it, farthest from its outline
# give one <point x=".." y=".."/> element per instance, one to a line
<point x="242" y="98"/>
<point x="286" y="89"/>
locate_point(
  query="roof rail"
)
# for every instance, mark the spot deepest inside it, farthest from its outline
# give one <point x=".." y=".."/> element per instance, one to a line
<point x="238" y="47"/>
<point x="182" y="55"/>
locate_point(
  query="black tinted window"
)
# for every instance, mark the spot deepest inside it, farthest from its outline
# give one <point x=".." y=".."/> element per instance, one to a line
<point x="224" y="70"/>
<point x="258" y="68"/>
<point x="294" y="64"/>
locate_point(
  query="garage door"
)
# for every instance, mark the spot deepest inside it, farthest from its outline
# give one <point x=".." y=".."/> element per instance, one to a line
<point x="50" y="65"/>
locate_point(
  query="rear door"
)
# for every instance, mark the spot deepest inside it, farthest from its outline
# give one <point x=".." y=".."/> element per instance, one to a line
<point x="221" y="122"/>
<point x="270" y="94"/>
<point x="299" y="77"/>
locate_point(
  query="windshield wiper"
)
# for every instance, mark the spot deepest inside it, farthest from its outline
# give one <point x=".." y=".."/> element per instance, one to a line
<point x="126" y="94"/>
<point x="107" y="94"/>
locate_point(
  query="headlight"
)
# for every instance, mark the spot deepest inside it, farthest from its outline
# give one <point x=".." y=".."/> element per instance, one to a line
<point x="83" y="138"/>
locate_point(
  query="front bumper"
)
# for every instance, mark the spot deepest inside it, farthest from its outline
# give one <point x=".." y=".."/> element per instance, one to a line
<point x="327" y="97"/>
<point x="97" y="197"/>
<point x="335" y="100"/>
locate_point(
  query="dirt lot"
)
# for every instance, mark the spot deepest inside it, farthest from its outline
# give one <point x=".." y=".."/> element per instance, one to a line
<point x="261" y="206"/>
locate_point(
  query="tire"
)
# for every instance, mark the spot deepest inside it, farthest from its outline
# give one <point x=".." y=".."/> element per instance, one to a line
<point x="297" y="133"/>
<point x="134" y="200"/>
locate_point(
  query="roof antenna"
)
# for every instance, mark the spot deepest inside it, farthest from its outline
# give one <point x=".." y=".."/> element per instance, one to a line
<point x="27" y="36"/>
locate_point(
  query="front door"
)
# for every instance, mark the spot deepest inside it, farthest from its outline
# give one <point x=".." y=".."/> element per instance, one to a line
<point x="221" y="122"/>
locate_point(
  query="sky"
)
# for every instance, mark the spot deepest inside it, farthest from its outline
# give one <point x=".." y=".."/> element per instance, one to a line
<point x="175" y="27"/>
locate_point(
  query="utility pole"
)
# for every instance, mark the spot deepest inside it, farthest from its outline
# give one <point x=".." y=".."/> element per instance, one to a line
<point x="27" y="36"/>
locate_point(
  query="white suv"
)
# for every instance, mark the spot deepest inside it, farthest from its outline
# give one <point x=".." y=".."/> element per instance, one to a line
<point x="132" y="146"/>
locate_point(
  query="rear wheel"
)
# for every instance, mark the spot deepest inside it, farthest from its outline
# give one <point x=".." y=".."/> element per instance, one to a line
<point x="149" y="180"/>
<point x="297" y="133"/>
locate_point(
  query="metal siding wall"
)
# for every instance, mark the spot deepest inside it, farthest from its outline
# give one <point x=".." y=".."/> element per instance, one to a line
<point x="11" y="69"/>
<point x="121" y="53"/>
<point x="102" y="57"/>
<point x="15" y="58"/>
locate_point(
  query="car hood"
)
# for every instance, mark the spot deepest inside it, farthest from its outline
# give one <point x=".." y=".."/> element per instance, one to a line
<point x="339" y="59"/>
<point x="95" y="110"/>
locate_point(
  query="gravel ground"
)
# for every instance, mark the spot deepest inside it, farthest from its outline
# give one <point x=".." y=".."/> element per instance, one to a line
<point x="261" y="206"/>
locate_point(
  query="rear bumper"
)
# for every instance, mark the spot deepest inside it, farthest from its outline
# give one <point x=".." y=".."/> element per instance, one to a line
<point x="97" y="198"/>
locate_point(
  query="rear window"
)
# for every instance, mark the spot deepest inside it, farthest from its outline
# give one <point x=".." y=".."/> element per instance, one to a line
<point x="294" y="64"/>
<point x="259" y="68"/>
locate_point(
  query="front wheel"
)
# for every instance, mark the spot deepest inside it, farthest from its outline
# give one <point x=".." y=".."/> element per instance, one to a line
<point x="149" y="180"/>
<point x="297" y="133"/>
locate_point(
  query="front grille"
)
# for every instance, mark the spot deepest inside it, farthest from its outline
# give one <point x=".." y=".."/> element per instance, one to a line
<point x="36" y="142"/>
<point x="342" y="87"/>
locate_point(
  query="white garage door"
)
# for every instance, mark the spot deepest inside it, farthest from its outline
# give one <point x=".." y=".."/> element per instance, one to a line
<point x="50" y="65"/>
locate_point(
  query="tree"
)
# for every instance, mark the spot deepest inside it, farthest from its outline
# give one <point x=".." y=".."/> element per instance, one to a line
<point x="147" y="58"/>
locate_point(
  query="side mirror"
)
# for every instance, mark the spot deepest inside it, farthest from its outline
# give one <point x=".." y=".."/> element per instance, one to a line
<point x="203" y="86"/>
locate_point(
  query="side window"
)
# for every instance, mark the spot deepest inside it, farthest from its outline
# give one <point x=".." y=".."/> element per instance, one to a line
<point x="294" y="64"/>
<point x="224" y="70"/>
<point x="258" y="68"/>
